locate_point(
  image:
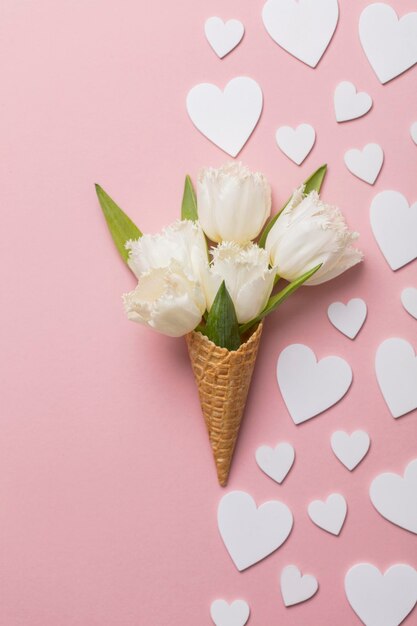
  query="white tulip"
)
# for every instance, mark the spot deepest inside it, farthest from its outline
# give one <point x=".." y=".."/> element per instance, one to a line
<point x="233" y="203"/>
<point x="247" y="277"/>
<point x="308" y="233"/>
<point x="182" y="241"/>
<point x="167" y="300"/>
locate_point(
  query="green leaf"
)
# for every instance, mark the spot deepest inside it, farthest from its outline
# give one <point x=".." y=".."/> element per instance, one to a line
<point x="121" y="227"/>
<point x="222" y="327"/>
<point x="279" y="298"/>
<point x="189" y="202"/>
<point x="313" y="182"/>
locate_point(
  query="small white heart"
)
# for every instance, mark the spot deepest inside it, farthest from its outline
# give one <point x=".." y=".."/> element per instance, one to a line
<point x="396" y="372"/>
<point x="409" y="300"/>
<point x="348" y="104"/>
<point x="394" y="224"/>
<point x="395" y="497"/>
<point x="389" y="43"/>
<point x="276" y="462"/>
<point x="348" y="318"/>
<point x="413" y="132"/>
<point x="223" y="37"/>
<point x="234" y="614"/>
<point x="227" y="117"/>
<point x="350" y="449"/>
<point x="366" y="163"/>
<point x="309" y="386"/>
<point x="250" y="533"/>
<point x="329" y="515"/>
<point x="381" y="599"/>
<point x="296" y="588"/>
<point x="303" y="28"/>
<point x="296" y="143"/>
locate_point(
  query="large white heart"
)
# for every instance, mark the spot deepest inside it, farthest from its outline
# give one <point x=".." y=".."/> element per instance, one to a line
<point x="329" y="515"/>
<point x="223" y="37"/>
<point x="409" y="300"/>
<point x="366" y="163"/>
<point x="394" y="224"/>
<point x="310" y="387"/>
<point x="381" y="599"/>
<point x="227" y="117"/>
<point x="396" y="371"/>
<point x="276" y="462"/>
<point x="249" y="533"/>
<point x="348" y="318"/>
<point x="295" y="587"/>
<point x="395" y="497"/>
<point x="349" y="105"/>
<point x="225" y="614"/>
<point x="296" y="143"/>
<point x="303" y="28"/>
<point x="389" y="43"/>
<point x="413" y="132"/>
<point x="350" y="449"/>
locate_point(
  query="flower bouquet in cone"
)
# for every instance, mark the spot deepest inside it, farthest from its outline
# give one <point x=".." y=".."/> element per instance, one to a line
<point x="214" y="275"/>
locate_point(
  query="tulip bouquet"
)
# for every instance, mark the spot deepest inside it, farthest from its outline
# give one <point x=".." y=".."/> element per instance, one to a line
<point x="205" y="277"/>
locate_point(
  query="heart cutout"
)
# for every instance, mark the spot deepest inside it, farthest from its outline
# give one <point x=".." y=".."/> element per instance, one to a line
<point x="304" y="28"/>
<point x="390" y="44"/>
<point x="227" y="117"/>
<point x="396" y="372"/>
<point x="381" y="599"/>
<point x="234" y="614"/>
<point x="366" y="163"/>
<point x="310" y="387"/>
<point x="223" y="37"/>
<point x="348" y="104"/>
<point x="276" y="462"/>
<point x="350" y="449"/>
<point x="296" y="143"/>
<point x="409" y="300"/>
<point x="394" y="224"/>
<point x="394" y="497"/>
<point x="249" y="533"/>
<point x="295" y="587"/>
<point x="413" y="132"/>
<point x="348" y="318"/>
<point x="329" y="515"/>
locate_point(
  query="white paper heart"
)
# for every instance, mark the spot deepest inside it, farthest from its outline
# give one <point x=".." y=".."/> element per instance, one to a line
<point x="409" y="300"/>
<point x="349" y="105"/>
<point x="366" y="163"/>
<point x="394" y="224"/>
<point x="381" y="599"/>
<point x="296" y="143"/>
<point x="350" y="449"/>
<point x="227" y="117"/>
<point x="234" y="614"/>
<point x="395" y="497"/>
<point x="389" y="43"/>
<point x="276" y="462"/>
<point x="348" y="318"/>
<point x="396" y="371"/>
<point x="223" y="37"/>
<point x="249" y="533"/>
<point x="329" y="515"/>
<point x="303" y="28"/>
<point x="310" y="387"/>
<point x="296" y="588"/>
<point x="413" y="132"/>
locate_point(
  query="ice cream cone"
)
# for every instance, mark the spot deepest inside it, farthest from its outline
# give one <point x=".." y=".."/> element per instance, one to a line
<point x="223" y="380"/>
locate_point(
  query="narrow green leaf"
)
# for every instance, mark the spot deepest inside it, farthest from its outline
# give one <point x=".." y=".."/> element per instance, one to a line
<point x="313" y="182"/>
<point x="279" y="298"/>
<point x="222" y="327"/>
<point x="120" y="225"/>
<point x="189" y="202"/>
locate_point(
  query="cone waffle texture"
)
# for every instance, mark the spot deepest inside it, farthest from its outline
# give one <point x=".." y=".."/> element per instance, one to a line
<point x="223" y="380"/>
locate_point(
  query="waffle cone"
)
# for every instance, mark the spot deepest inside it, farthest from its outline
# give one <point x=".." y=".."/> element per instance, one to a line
<point x="223" y="380"/>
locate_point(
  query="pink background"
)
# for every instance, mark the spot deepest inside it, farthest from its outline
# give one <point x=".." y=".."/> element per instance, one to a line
<point x="108" y="494"/>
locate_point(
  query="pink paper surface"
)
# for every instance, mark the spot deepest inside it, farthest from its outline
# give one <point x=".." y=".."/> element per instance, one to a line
<point x="108" y="494"/>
